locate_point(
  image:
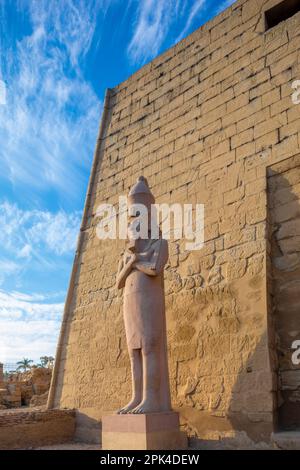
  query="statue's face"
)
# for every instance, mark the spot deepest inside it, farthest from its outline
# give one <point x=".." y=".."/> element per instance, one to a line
<point x="133" y="229"/>
<point x="138" y="221"/>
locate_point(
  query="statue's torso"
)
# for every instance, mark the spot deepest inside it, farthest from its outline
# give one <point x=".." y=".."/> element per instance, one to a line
<point x="144" y="308"/>
<point x="138" y="281"/>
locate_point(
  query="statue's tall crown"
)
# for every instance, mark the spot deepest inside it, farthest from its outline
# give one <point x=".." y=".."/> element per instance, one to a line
<point x="141" y="187"/>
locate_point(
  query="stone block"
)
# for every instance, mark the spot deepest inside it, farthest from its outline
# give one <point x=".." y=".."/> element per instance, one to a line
<point x="153" y="431"/>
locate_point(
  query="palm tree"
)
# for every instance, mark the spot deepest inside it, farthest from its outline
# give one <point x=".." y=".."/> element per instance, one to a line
<point x="24" y="364"/>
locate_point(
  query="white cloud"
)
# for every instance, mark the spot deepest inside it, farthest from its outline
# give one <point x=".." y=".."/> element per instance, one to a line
<point x="156" y="18"/>
<point x="48" y="126"/>
<point x="25" y="252"/>
<point x="25" y="232"/>
<point x="74" y="23"/>
<point x="29" y="297"/>
<point x="198" y="5"/>
<point x="35" y="241"/>
<point x="28" y="326"/>
<point x="29" y="306"/>
<point x="58" y="231"/>
<point x="153" y="20"/>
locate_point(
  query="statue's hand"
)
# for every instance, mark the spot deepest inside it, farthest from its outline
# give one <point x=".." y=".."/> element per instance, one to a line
<point x="125" y="269"/>
<point x="131" y="259"/>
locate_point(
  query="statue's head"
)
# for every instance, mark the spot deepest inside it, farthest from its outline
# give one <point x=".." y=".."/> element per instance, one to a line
<point x="140" y="200"/>
<point x="141" y="194"/>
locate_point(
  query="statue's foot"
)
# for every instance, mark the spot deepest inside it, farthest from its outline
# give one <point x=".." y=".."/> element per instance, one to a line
<point x="130" y="406"/>
<point x="146" y="406"/>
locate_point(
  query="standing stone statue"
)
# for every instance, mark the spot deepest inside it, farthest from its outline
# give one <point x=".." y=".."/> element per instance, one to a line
<point x="141" y="273"/>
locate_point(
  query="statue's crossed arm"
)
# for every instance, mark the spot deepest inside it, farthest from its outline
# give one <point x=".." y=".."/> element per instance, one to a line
<point x="159" y="256"/>
<point x="151" y="262"/>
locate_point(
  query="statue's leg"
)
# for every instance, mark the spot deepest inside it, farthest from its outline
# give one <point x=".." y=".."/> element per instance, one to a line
<point x="151" y="378"/>
<point x="137" y="383"/>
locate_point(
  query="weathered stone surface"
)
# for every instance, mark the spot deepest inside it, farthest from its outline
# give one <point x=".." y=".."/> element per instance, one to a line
<point x="39" y="400"/>
<point x="20" y="387"/>
<point x="21" y="429"/>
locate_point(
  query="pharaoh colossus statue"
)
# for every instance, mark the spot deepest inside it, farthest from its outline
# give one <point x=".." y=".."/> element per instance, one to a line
<point x="140" y="273"/>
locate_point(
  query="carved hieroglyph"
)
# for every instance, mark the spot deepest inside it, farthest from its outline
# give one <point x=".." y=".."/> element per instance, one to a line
<point x="141" y="274"/>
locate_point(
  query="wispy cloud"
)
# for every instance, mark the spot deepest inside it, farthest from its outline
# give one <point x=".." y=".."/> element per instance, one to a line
<point x="197" y="7"/>
<point x="153" y="20"/>
<point x="71" y="23"/>
<point x="29" y="326"/>
<point x="30" y="306"/>
<point x="48" y="125"/>
<point x="35" y="240"/>
<point x="25" y="232"/>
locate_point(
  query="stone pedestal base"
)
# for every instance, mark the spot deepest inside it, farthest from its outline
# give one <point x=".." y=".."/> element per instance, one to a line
<point x="152" y="431"/>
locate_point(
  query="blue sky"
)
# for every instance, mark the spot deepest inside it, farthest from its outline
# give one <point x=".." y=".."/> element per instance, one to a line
<point x="57" y="57"/>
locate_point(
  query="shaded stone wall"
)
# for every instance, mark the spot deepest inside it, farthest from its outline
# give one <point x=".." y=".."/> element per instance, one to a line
<point x="284" y="206"/>
<point x="34" y="428"/>
<point x="202" y="122"/>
